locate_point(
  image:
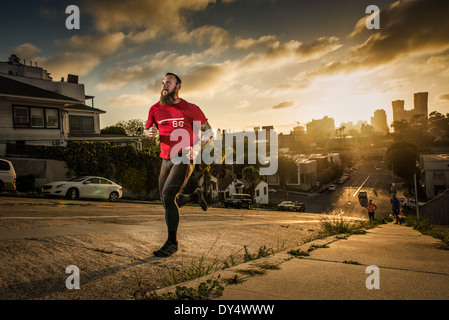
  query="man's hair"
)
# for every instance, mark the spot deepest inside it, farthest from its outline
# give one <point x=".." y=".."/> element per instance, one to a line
<point x="178" y="79"/>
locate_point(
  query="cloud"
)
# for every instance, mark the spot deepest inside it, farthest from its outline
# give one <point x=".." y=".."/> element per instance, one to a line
<point x="243" y="104"/>
<point x="443" y="97"/>
<point x="406" y="27"/>
<point x="26" y="51"/>
<point x="163" y="17"/>
<point x="150" y="71"/>
<point x="250" y="43"/>
<point x="79" y="63"/>
<point x="127" y="100"/>
<point x="103" y="45"/>
<point x="294" y="51"/>
<point x="283" y="105"/>
<point x="218" y="38"/>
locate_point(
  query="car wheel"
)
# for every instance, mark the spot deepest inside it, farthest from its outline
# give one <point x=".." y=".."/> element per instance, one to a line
<point x="249" y="206"/>
<point x="1" y="186"/>
<point x="72" y="194"/>
<point x="113" y="197"/>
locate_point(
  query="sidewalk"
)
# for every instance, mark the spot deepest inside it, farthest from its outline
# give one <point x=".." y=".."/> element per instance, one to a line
<point x="410" y="266"/>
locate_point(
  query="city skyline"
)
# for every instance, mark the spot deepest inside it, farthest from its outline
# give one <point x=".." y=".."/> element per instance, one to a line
<point x="245" y="63"/>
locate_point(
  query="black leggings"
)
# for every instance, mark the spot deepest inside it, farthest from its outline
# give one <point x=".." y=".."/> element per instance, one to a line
<point x="172" y="179"/>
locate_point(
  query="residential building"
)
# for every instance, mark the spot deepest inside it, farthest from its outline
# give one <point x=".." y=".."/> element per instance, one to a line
<point x="35" y="110"/>
<point x="434" y="173"/>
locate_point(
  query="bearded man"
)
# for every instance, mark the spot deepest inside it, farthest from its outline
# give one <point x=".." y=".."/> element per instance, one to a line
<point x="165" y="118"/>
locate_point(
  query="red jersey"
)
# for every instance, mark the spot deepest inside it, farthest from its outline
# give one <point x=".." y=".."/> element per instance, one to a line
<point x="169" y="118"/>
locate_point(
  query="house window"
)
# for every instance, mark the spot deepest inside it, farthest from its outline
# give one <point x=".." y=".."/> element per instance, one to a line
<point x="21" y="119"/>
<point x="257" y="193"/>
<point x="51" y="118"/>
<point x="264" y="190"/>
<point x="35" y="117"/>
<point x="81" y="124"/>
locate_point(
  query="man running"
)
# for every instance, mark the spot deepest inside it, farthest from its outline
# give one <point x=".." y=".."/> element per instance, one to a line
<point x="166" y="117"/>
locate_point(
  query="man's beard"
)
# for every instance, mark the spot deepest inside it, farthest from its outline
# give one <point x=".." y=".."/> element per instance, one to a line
<point x="169" y="98"/>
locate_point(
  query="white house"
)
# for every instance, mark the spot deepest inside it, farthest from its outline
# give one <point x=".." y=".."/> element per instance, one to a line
<point x="261" y="193"/>
<point x="35" y="110"/>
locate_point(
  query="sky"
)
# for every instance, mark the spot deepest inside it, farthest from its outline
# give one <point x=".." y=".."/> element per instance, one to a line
<point x="245" y="63"/>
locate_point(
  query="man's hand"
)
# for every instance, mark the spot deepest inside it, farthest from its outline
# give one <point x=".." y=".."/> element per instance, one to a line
<point x="192" y="153"/>
<point x="151" y="133"/>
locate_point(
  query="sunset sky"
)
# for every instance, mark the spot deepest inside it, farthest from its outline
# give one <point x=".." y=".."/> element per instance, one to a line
<point x="246" y="63"/>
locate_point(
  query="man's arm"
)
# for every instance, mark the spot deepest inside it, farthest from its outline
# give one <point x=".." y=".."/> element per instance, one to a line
<point x="206" y="138"/>
<point x="150" y="133"/>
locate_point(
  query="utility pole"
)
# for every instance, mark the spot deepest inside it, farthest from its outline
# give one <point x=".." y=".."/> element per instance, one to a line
<point x="416" y="198"/>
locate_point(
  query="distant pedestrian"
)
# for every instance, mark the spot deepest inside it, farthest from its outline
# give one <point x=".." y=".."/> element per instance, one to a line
<point x="371" y="209"/>
<point x="396" y="206"/>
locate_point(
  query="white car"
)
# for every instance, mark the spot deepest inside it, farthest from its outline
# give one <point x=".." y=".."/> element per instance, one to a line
<point x="84" y="187"/>
<point x="7" y="176"/>
<point x="332" y="187"/>
<point x="411" y="204"/>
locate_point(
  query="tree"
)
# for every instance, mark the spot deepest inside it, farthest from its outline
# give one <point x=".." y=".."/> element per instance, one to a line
<point x="401" y="157"/>
<point x="286" y="168"/>
<point x="116" y="130"/>
<point x="252" y="177"/>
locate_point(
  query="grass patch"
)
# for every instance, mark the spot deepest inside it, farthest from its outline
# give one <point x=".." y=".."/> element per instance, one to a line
<point x="236" y="279"/>
<point x="252" y="272"/>
<point x="351" y="262"/>
<point x="427" y="227"/>
<point x="298" y="253"/>
<point x="269" y="266"/>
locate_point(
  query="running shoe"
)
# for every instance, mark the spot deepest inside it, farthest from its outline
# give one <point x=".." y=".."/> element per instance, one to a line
<point x="167" y="250"/>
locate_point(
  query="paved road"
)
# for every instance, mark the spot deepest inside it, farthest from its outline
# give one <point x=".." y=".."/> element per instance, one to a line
<point x="371" y="176"/>
<point x="112" y="244"/>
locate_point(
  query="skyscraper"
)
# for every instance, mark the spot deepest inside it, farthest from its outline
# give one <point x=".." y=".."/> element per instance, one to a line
<point x="421" y="103"/>
<point x="379" y="121"/>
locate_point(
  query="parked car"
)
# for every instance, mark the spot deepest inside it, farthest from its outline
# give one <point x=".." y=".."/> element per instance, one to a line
<point x="7" y="176"/>
<point x="286" y="206"/>
<point x="239" y="200"/>
<point x="84" y="187"/>
<point x="332" y="187"/>
<point x="362" y="194"/>
<point x="271" y="190"/>
<point x="363" y="198"/>
<point x="299" y="207"/>
<point x="411" y="204"/>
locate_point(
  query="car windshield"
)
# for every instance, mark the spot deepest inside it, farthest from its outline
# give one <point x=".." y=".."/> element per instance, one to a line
<point x="236" y="196"/>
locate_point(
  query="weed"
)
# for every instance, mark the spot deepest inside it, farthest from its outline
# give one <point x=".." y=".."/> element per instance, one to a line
<point x="263" y="252"/>
<point x="268" y="266"/>
<point x="236" y="279"/>
<point x="351" y="262"/>
<point x="298" y="253"/>
<point x="203" y="292"/>
<point x="252" y="271"/>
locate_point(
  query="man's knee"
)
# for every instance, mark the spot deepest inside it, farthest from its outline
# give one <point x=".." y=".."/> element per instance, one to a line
<point x="169" y="196"/>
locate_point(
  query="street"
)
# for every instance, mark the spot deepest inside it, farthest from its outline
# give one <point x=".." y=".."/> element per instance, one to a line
<point x="112" y="243"/>
<point x="371" y="176"/>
